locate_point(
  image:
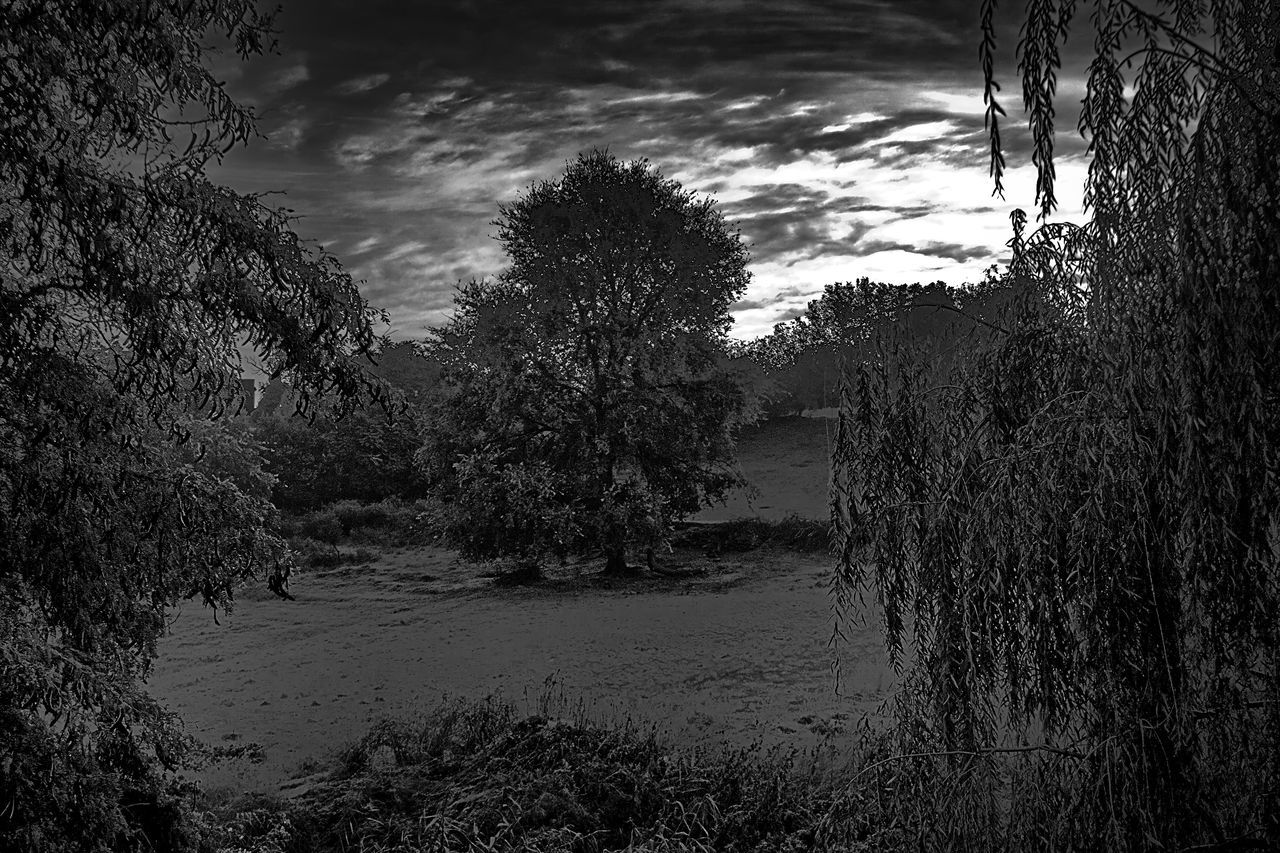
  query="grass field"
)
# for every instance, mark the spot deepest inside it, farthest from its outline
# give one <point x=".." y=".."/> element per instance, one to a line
<point x="787" y="462"/>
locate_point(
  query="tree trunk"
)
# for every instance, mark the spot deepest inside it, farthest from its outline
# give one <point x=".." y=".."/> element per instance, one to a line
<point x="616" y="560"/>
<point x="615" y="532"/>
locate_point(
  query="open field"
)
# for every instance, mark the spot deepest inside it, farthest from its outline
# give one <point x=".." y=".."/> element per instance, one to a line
<point x="737" y="652"/>
<point x="787" y="461"/>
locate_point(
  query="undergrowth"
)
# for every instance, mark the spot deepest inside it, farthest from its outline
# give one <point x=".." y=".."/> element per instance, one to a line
<point x="745" y="534"/>
<point x="315" y="536"/>
<point x="388" y="522"/>
<point x="481" y="776"/>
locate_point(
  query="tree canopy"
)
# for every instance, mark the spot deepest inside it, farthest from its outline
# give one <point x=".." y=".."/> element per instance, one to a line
<point x="1073" y="526"/>
<point x="128" y="284"/>
<point x="587" y="400"/>
<point x="802" y="358"/>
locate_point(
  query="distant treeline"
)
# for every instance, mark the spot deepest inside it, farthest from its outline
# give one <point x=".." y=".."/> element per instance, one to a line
<point x="364" y="455"/>
<point x="798" y="366"/>
<point x="369" y="455"/>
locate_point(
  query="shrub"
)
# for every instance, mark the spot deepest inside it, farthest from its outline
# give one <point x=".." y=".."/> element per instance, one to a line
<point x="354" y="514"/>
<point x="322" y="525"/>
<point x="482" y="776"/>
<point x="801" y="534"/>
<point x="478" y="775"/>
<point x="315" y="554"/>
<point x="388" y="522"/>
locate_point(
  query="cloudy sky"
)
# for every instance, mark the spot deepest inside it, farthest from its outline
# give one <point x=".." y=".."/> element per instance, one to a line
<point x="843" y="138"/>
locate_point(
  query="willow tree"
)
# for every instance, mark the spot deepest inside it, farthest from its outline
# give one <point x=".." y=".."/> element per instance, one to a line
<point x="128" y="284"/>
<point x="586" y="399"/>
<point x="1073" y="528"/>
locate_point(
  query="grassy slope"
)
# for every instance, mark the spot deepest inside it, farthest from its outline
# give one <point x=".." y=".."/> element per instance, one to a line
<point x="787" y="462"/>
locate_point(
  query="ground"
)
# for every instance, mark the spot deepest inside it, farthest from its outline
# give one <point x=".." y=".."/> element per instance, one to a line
<point x="788" y="462"/>
<point x="738" y="651"/>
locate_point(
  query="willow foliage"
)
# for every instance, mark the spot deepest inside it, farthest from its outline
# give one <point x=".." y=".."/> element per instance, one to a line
<point x="128" y="281"/>
<point x="1071" y="529"/>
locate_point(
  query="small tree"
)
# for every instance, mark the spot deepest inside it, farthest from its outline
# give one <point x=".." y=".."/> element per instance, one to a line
<point x="587" y="399"/>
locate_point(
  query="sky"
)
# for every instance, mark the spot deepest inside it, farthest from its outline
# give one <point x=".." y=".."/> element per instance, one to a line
<point x="842" y="138"/>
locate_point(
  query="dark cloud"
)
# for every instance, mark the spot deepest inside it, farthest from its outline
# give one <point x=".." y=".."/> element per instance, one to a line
<point x="399" y="127"/>
<point x="951" y="251"/>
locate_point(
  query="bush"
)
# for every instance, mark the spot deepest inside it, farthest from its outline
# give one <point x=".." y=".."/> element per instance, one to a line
<point x="362" y="457"/>
<point x="477" y="775"/>
<point x="323" y="525"/>
<point x="354" y="514"/>
<point x="388" y="522"/>
<point x="801" y="534"/>
<point x="315" y="554"/>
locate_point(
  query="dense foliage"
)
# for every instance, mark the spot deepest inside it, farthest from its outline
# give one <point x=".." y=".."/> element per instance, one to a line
<point x="801" y="360"/>
<point x="586" y="399"/>
<point x="361" y="456"/>
<point x="128" y="282"/>
<point x="1071" y="528"/>
<point x="331" y="454"/>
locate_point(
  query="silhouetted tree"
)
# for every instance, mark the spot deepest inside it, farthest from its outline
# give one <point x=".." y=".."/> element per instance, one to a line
<point x="587" y="400"/>
<point x="1076" y="522"/>
<point x="128" y="282"/>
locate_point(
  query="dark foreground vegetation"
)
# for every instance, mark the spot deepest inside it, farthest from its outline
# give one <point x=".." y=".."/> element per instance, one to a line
<point x="486" y="776"/>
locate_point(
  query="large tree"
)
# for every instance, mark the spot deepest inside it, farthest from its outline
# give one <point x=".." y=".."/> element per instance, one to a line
<point x="129" y="283"/>
<point x="587" y="399"/>
<point x="1074" y="527"/>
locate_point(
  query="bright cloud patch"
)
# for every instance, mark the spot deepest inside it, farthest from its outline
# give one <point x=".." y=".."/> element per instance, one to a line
<point x="365" y="83"/>
<point x="289" y="77"/>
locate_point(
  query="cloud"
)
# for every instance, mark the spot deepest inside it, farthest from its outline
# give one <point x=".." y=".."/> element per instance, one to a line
<point x="289" y="134"/>
<point x="362" y="84"/>
<point x="842" y="139"/>
<point x="951" y="251"/>
<point x="786" y="314"/>
<point x="288" y="77"/>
